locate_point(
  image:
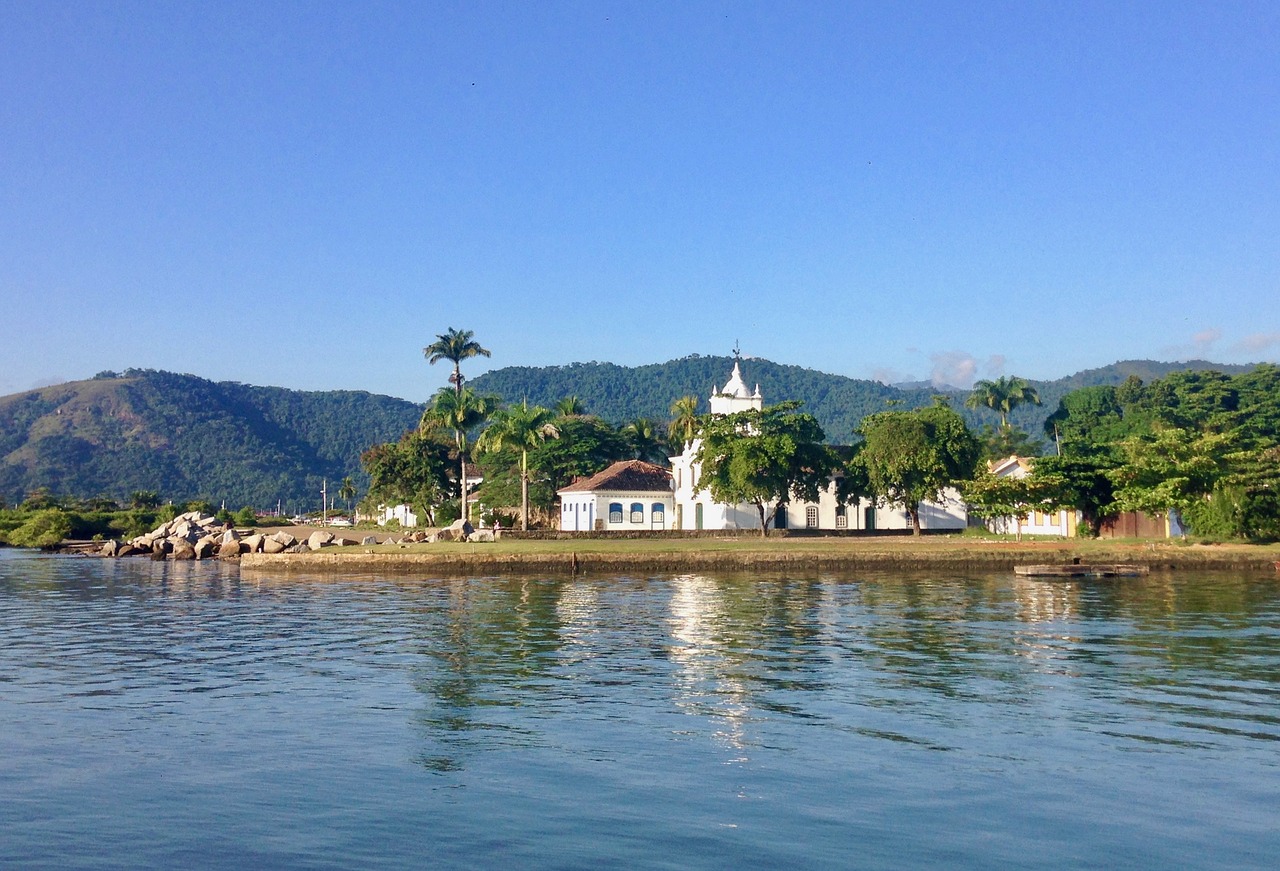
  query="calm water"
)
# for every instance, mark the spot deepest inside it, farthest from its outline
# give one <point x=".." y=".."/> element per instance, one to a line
<point x="170" y="715"/>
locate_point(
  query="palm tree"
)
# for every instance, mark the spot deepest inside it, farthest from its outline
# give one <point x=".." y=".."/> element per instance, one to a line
<point x="455" y="346"/>
<point x="570" y="406"/>
<point x="1002" y="396"/>
<point x="644" y="441"/>
<point x="348" y="492"/>
<point x="460" y="411"/>
<point x="684" y="420"/>
<point x="524" y="427"/>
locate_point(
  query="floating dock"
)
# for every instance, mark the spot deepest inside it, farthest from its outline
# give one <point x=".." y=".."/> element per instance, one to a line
<point x="1083" y="570"/>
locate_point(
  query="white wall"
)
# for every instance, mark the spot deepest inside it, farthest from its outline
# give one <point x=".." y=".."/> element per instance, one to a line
<point x="580" y="511"/>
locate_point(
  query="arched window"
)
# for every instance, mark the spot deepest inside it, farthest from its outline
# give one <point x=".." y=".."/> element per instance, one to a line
<point x="658" y="516"/>
<point x="615" y="512"/>
<point x="637" y="512"/>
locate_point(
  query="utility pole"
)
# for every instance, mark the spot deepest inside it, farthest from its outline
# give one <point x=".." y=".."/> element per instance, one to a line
<point x="324" y="502"/>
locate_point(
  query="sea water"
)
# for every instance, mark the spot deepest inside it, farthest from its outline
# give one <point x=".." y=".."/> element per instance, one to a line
<point x="164" y="715"/>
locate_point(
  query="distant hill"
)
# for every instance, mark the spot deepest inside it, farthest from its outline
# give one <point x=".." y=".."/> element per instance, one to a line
<point x="187" y="438"/>
<point x="621" y="393"/>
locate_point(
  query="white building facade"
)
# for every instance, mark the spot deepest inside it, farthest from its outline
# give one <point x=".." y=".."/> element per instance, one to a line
<point x="696" y="509"/>
<point x="1059" y="523"/>
<point x="628" y="496"/>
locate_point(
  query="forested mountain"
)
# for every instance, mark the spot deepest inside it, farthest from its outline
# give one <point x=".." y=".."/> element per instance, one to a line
<point x="620" y="393"/>
<point x="186" y="438"/>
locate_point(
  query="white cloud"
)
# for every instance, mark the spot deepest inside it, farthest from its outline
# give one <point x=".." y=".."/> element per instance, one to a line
<point x="1258" y="342"/>
<point x="953" y="369"/>
<point x="886" y="375"/>
<point x="1200" y="345"/>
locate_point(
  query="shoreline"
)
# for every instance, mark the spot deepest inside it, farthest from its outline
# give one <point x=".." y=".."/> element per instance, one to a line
<point x="595" y="556"/>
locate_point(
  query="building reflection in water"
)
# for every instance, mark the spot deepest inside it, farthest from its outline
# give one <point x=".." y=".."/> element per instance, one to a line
<point x="707" y="682"/>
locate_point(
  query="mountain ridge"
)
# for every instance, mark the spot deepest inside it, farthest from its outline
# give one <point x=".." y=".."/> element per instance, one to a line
<point x="187" y="437"/>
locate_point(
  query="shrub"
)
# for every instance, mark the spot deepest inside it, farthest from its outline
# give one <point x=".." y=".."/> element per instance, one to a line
<point x="45" y="529"/>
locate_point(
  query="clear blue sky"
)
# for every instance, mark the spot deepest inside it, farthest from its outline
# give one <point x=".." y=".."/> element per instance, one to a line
<point x="305" y="194"/>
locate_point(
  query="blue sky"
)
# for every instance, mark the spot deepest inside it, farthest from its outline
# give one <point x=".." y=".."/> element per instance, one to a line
<point x="305" y="194"/>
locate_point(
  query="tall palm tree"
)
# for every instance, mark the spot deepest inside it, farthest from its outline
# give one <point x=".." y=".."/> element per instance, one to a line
<point x="645" y="442"/>
<point x="525" y="427"/>
<point x="348" y="492"/>
<point x="455" y="346"/>
<point x="460" y="411"/>
<point x="1002" y="396"/>
<point x="684" y="420"/>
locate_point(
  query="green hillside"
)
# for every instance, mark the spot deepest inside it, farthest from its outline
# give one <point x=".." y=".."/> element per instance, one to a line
<point x="620" y="393"/>
<point x="186" y="438"/>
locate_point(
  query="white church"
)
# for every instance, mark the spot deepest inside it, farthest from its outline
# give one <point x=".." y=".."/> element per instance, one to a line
<point x="694" y="508"/>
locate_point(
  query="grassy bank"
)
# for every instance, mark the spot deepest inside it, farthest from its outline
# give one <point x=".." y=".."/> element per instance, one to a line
<point x="677" y="555"/>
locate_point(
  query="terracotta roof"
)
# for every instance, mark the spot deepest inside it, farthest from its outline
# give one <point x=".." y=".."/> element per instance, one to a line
<point x="625" y="475"/>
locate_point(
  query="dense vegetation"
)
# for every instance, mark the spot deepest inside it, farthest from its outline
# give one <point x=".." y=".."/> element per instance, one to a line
<point x="189" y="438"/>
<point x="1137" y="435"/>
<point x="1205" y="445"/>
<point x="619" y="393"/>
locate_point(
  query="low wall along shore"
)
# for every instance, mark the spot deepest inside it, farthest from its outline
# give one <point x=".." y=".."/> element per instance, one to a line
<point x="782" y="554"/>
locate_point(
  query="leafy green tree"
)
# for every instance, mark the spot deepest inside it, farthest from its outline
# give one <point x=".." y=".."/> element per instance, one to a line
<point x="461" y="411"/>
<point x="586" y="445"/>
<point x="413" y="471"/>
<point x="914" y="456"/>
<point x="144" y="499"/>
<point x="1002" y="396"/>
<point x="684" y="421"/>
<point x="454" y="346"/>
<point x="245" y="517"/>
<point x="1081" y="481"/>
<point x="765" y="457"/>
<point x="1088" y="416"/>
<point x="524" y="427"/>
<point x="1169" y="469"/>
<point x="992" y="496"/>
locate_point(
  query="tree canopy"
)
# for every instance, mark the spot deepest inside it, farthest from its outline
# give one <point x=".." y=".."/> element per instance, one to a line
<point x="914" y="456"/>
<point x="764" y="457"/>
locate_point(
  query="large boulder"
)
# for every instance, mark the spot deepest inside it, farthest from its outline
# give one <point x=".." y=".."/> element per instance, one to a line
<point x="253" y="543"/>
<point x="481" y="535"/>
<point x="369" y="539"/>
<point x="284" y="538"/>
<point x="229" y="550"/>
<point x="183" y="550"/>
<point x="205" y="547"/>
<point x="271" y="545"/>
<point x="345" y="542"/>
<point x="319" y="539"/>
<point x="230" y="535"/>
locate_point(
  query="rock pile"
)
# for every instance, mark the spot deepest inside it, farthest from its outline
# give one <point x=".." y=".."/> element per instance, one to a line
<point x="196" y="536"/>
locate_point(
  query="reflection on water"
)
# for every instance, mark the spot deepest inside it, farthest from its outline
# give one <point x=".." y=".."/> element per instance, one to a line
<point x="674" y="721"/>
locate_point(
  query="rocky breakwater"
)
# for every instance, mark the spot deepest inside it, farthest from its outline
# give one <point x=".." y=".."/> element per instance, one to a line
<point x="196" y="536"/>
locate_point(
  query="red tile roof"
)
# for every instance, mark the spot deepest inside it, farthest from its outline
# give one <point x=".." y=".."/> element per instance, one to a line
<point x="630" y="475"/>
